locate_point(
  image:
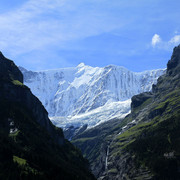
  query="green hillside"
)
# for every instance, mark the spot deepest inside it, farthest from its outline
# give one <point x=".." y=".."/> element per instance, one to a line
<point x="31" y="147"/>
<point x="146" y="144"/>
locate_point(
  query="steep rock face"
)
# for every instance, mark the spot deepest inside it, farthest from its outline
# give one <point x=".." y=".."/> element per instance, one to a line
<point x="13" y="90"/>
<point x="8" y="70"/>
<point x="153" y="140"/>
<point x="170" y="80"/>
<point x="72" y="91"/>
<point x="139" y="99"/>
<point x="173" y="65"/>
<point x="84" y="91"/>
<point x="31" y="146"/>
<point x="145" y="144"/>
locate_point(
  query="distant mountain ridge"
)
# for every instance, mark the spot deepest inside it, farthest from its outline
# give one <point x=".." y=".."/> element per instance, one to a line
<point x="73" y="95"/>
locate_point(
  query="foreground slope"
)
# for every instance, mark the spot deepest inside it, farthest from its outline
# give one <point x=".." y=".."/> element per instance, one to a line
<point x="146" y="144"/>
<point x="31" y="147"/>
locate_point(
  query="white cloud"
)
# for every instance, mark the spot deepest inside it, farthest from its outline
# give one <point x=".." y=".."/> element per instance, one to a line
<point x="175" y="39"/>
<point x="159" y="43"/>
<point x="38" y="24"/>
<point x="69" y="25"/>
<point x="155" y="40"/>
<point x="176" y="32"/>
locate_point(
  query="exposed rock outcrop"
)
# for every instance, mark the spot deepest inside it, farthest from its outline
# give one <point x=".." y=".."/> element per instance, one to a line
<point x="8" y="70"/>
<point x="137" y="100"/>
<point x="13" y="90"/>
<point x="173" y="65"/>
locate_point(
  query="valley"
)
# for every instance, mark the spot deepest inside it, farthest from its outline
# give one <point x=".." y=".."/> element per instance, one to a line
<point x="122" y="138"/>
<point x="145" y="144"/>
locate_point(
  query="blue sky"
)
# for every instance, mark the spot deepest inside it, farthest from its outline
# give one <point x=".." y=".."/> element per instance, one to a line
<point x="46" y="34"/>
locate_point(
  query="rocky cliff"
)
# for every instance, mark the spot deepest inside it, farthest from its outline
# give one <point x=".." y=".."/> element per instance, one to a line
<point x="31" y="146"/>
<point x="87" y="96"/>
<point x="13" y="90"/>
<point x="144" y="145"/>
<point x="8" y="69"/>
<point x="76" y="90"/>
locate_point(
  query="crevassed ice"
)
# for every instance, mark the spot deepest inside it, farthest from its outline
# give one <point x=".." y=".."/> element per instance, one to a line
<point x="86" y="94"/>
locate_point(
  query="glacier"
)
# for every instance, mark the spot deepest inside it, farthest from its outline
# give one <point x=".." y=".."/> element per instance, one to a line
<point x="88" y="95"/>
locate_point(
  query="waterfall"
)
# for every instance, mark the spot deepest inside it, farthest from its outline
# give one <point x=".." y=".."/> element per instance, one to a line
<point x="106" y="162"/>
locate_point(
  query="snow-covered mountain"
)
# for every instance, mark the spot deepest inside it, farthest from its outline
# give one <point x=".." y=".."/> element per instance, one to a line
<point x="88" y="95"/>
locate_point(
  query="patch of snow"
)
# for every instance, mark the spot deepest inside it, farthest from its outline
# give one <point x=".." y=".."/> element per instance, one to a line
<point x="88" y="95"/>
<point x="96" y="116"/>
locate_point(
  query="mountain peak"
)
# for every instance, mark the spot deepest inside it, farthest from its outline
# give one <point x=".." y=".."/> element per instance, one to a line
<point x="1" y="56"/>
<point x="22" y="69"/>
<point x="173" y="65"/>
<point x="8" y="70"/>
<point x="28" y="136"/>
<point x="81" y="65"/>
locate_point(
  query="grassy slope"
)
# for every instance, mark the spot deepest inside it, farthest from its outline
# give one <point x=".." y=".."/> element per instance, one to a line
<point x="30" y="152"/>
<point x="153" y="140"/>
<point x="148" y="141"/>
<point x="153" y="145"/>
<point x="94" y="142"/>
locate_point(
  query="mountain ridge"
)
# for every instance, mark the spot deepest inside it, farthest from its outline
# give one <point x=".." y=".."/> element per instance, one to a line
<point x="145" y="144"/>
<point x="72" y="92"/>
<point x="31" y="146"/>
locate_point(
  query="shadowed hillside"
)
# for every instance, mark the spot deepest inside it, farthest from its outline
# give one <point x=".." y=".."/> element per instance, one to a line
<point x="31" y="147"/>
<point x="146" y="144"/>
